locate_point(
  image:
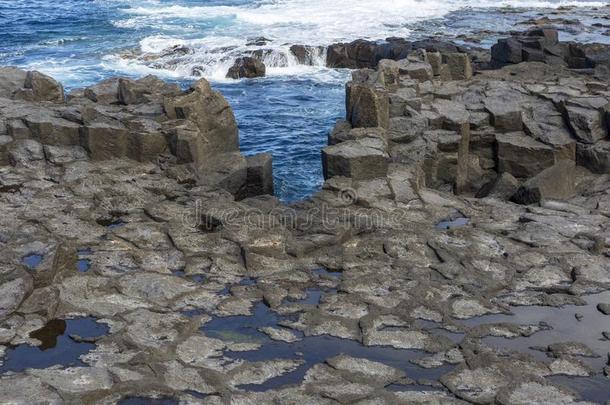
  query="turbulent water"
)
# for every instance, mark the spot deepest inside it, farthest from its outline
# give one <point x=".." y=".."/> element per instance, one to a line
<point x="289" y="112"/>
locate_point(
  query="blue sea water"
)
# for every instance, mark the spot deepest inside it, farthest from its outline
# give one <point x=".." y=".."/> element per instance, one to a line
<point x="288" y="113"/>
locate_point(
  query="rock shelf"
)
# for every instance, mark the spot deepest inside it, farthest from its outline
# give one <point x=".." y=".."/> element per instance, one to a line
<point x="184" y="242"/>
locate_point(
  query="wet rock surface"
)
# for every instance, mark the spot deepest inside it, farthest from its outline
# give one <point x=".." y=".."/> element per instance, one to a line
<point x="129" y="205"/>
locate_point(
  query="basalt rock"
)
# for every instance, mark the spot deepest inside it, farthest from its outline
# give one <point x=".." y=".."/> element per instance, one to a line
<point x="555" y="183"/>
<point x="32" y="86"/>
<point x="358" y="159"/>
<point x="385" y="259"/>
<point x="366" y="54"/>
<point x="247" y="67"/>
<point x="146" y="120"/>
<point x="541" y="44"/>
<point x="367" y="105"/>
<point x="308" y="55"/>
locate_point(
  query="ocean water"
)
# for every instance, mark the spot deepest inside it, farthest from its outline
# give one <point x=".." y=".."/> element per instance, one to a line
<point x="288" y="113"/>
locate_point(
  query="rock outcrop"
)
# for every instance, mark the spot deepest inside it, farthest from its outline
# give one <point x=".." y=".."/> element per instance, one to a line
<point x="146" y="120"/>
<point x="524" y="124"/>
<point x="541" y="44"/>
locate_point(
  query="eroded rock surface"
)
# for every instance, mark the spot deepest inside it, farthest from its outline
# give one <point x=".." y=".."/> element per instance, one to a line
<point x="213" y="293"/>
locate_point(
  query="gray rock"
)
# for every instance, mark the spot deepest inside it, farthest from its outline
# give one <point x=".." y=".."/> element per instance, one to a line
<point x="259" y="179"/>
<point x="435" y="60"/>
<point x="144" y="90"/>
<point x="5" y="145"/>
<point x="246" y="67"/>
<point x="210" y="112"/>
<point x="25" y="389"/>
<point x="571" y="349"/>
<point x="105" y="92"/>
<point x="480" y="385"/>
<point x="367" y="106"/>
<point x="64" y="154"/>
<point x="594" y="157"/>
<point x="11" y="80"/>
<point x="586" y="119"/>
<point x="406" y="129"/>
<point x="358" y="159"/>
<point x="51" y="130"/>
<point x="555" y="183"/>
<point x="307" y="55"/>
<point x="373" y="371"/>
<point x="43" y="87"/>
<point x="604" y="308"/>
<point x="420" y="71"/>
<point x="459" y="64"/>
<point x="507" y="50"/>
<point x="226" y="171"/>
<point x="506" y="116"/>
<point x="503" y="187"/>
<point x="529" y="392"/>
<point x="14" y="288"/>
<point x="26" y="152"/>
<point x="453" y="114"/>
<point x="75" y="380"/>
<point x="106" y="141"/>
<point x="280" y="334"/>
<point x="522" y="156"/>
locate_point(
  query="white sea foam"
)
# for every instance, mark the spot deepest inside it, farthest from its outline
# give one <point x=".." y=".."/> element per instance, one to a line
<point x="218" y="34"/>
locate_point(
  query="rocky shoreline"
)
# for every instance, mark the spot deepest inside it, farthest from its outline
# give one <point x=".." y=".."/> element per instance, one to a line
<point x="457" y="192"/>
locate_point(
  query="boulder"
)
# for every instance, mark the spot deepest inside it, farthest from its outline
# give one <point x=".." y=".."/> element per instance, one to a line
<point x="522" y="156"/>
<point x="594" y="157"/>
<point x="366" y="54"/>
<point x="389" y="73"/>
<point x="505" y="116"/>
<point x="246" y="67"/>
<point x="367" y="105"/>
<point x="406" y="129"/>
<point x="507" y="50"/>
<point x="502" y="187"/>
<point x="104" y="92"/>
<point x="403" y="98"/>
<point x="11" y="80"/>
<point x="452" y="114"/>
<point x="188" y="145"/>
<point x="359" y="159"/>
<point x="25" y="153"/>
<point x="555" y="183"/>
<point x="259" y="179"/>
<point x="44" y="88"/>
<point x="211" y="114"/>
<point x="142" y="90"/>
<point x="420" y="71"/>
<point x="586" y="118"/>
<point x="307" y="55"/>
<point x="537" y="45"/>
<point x="459" y="64"/>
<point x="226" y="171"/>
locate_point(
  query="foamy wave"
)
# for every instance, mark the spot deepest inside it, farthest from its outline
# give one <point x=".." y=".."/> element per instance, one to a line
<point x="214" y="36"/>
<point x="321" y="22"/>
